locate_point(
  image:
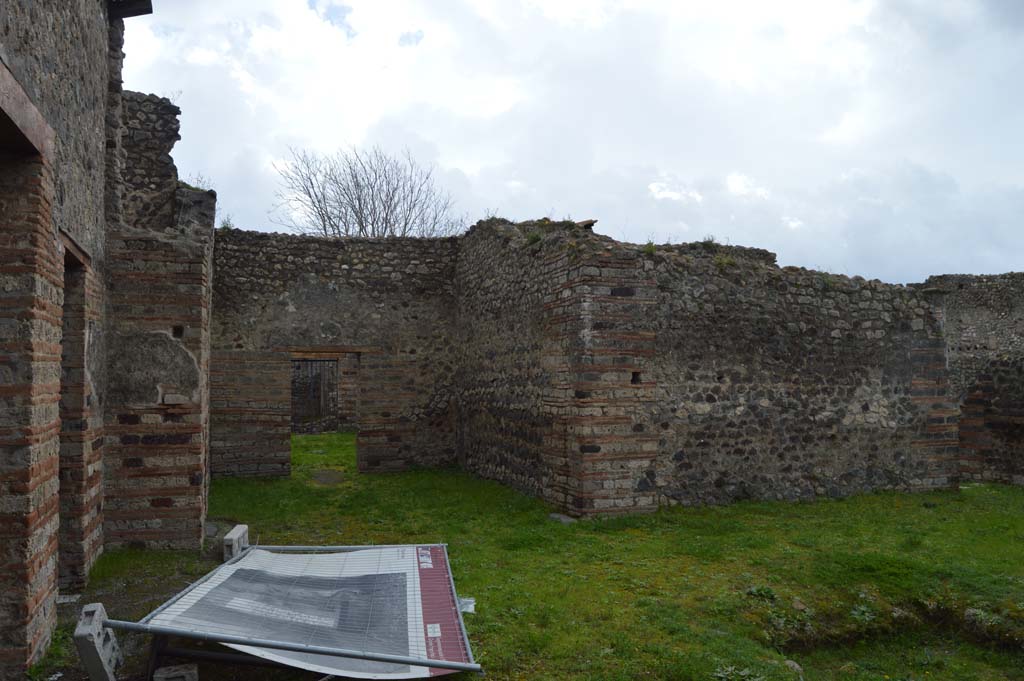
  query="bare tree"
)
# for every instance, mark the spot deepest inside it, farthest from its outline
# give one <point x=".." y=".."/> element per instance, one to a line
<point x="363" y="194"/>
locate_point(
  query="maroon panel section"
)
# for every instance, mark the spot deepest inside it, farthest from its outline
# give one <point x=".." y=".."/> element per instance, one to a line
<point x="441" y="625"/>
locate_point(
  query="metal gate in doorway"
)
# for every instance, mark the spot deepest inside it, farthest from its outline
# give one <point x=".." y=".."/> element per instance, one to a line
<point x="314" y="395"/>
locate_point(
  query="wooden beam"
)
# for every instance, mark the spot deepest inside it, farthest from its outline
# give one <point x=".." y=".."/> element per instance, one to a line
<point x="122" y="9"/>
<point x="76" y="249"/>
<point x="326" y="351"/>
<point x="23" y="127"/>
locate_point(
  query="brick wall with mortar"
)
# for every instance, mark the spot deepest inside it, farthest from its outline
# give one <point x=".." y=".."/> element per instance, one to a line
<point x="348" y="390"/>
<point x="983" y="320"/>
<point x="604" y="377"/>
<point x="81" y="438"/>
<point x="31" y="284"/>
<point x="700" y="374"/>
<point x="56" y="56"/>
<point x="519" y="322"/>
<point x="62" y="165"/>
<point x="250" y="402"/>
<point x="739" y="379"/>
<point x="159" y="282"/>
<point x="388" y="302"/>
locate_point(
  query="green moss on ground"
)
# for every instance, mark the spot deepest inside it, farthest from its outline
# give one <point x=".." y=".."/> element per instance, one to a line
<point x="909" y="586"/>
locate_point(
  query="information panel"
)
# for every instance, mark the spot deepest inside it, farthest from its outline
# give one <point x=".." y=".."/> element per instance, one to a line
<point x="391" y="600"/>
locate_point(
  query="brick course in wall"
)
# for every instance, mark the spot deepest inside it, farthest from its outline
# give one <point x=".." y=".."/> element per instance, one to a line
<point x="612" y="388"/>
<point x="81" y="450"/>
<point x="31" y="290"/>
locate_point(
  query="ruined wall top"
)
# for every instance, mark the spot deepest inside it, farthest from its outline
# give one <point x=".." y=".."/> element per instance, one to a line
<point x="579" y="234"/>
<point x="150" y="176"/>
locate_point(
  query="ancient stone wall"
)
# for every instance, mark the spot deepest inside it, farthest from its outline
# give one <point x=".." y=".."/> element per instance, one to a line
<point x="58" y="51"/>
<point x="54" y="78"/>
<point x="788" y="383"/>
<point x="390" y="302"/>
<point x="983" y="320"/>
<point x="159" y="281"/>
<point x="611" y="378"/>
<point x="518" y="321"/>
<point x="77" y="268"/>
<point x="604" y="377"/>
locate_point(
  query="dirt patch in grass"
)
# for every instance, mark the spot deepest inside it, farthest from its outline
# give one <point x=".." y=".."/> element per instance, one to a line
<point x="328" y="476"/>
<point x="908" y="657"/>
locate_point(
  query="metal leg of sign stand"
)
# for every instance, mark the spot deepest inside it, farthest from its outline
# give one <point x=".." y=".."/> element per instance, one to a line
<point x="156" y="648"/>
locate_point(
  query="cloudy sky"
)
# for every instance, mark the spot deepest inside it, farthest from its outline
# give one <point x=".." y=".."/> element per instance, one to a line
<point x="882" y="138"/>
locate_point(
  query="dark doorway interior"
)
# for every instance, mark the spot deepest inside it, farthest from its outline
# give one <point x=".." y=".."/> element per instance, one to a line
<point x="315" y="405"/>
<point x="74" y="446"/>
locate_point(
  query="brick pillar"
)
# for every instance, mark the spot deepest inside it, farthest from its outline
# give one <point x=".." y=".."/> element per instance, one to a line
<point x="30" y="316"/>
<point x="938" y="442"/>
<point x="385" y="439"/>
<point x="610" y="390"/>
<point x="564" y="324"/>
<point x="157" y="412"/>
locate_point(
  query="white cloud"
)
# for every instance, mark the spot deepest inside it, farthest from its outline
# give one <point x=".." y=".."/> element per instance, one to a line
<point x="741" y="185"/>
<point x="202" y="56"/>
<point x="868" y="141"/>
<point x="661" y="190"/>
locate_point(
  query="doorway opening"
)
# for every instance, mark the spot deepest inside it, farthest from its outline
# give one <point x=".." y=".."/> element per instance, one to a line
<point x="75" y="446"/>
<point x="315" y="403"/>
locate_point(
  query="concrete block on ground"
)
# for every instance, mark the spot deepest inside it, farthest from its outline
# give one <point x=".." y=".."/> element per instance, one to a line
<point x="97" y="646"/>
<point x="235" y="540"/>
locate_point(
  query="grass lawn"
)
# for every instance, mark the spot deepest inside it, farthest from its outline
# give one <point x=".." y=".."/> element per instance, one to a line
<point x="884" y="586"/>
